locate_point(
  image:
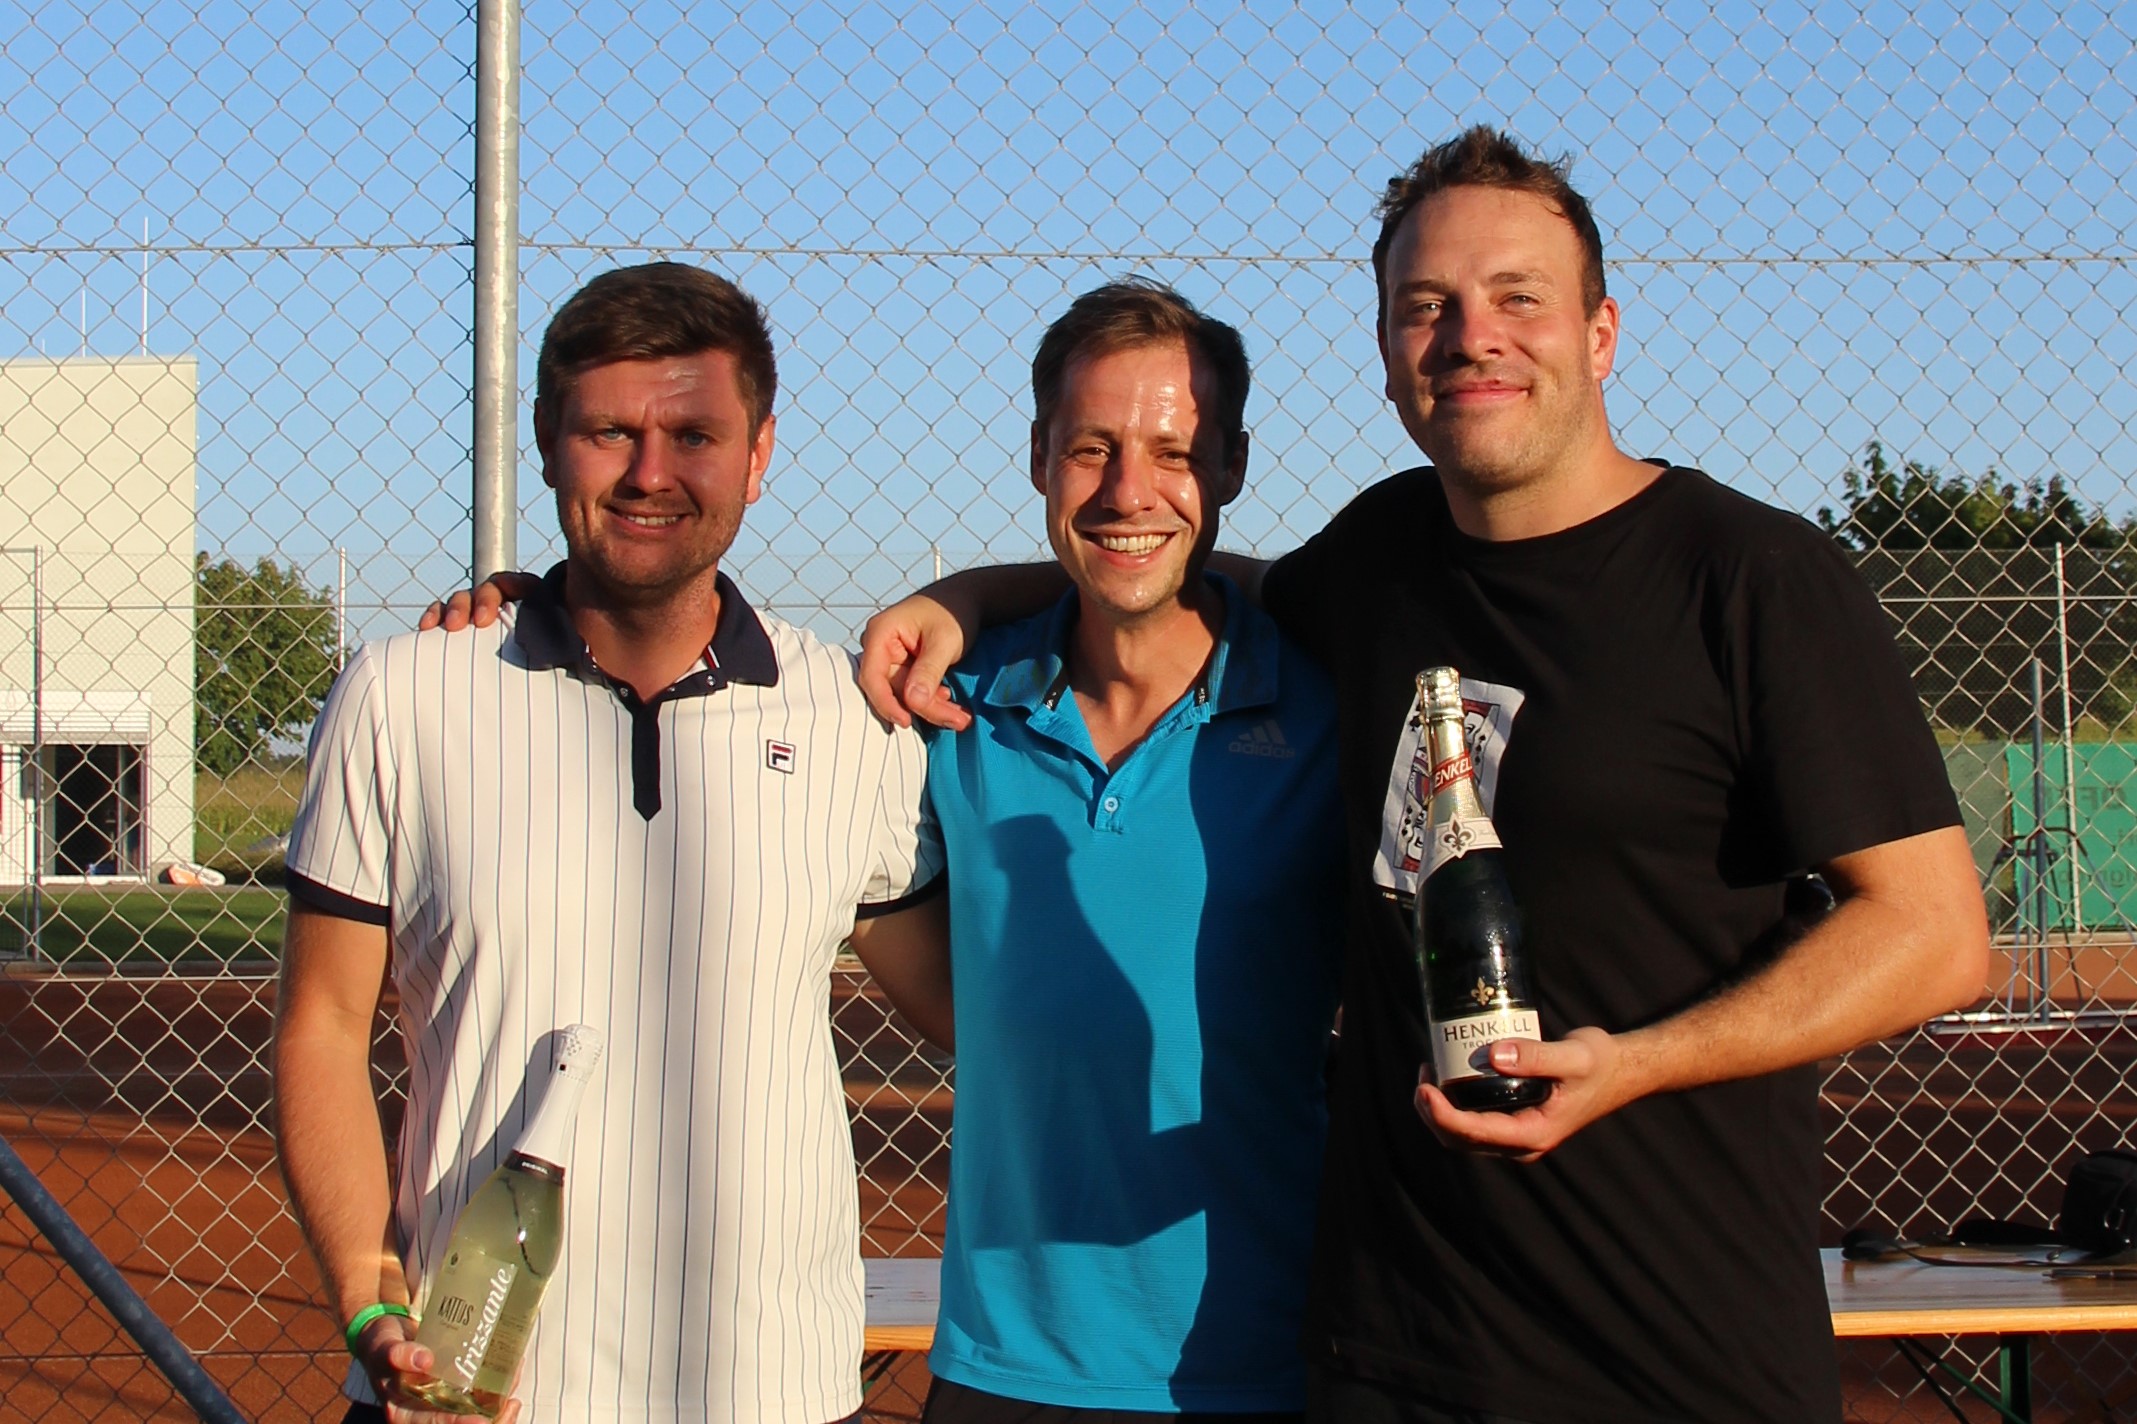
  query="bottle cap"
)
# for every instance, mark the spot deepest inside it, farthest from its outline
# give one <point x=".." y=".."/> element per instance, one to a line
<point x="578" y="1051"/>
<point x="1440" y="688"/>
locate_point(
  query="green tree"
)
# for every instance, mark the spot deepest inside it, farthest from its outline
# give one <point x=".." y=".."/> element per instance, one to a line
<point x="1898" y="507"/>
<point x="263" y="658"/>
<point x="1967" y="570"/>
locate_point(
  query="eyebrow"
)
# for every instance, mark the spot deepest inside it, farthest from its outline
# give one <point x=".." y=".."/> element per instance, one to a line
<point x="1512" y="277"/>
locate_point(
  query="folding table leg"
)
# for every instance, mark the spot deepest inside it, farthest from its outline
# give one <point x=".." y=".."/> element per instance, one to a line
<point x="1927" y="1363"/>
<point x="2015" y="1356"/>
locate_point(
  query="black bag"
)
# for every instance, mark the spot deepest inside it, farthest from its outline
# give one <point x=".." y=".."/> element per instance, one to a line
<point x="2100" y="1203"/>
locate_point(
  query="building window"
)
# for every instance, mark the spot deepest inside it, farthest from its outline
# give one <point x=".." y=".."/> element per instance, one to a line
<point x="95" y="816"/>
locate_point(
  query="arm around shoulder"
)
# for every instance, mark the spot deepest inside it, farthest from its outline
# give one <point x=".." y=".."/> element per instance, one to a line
<point x="907" y="952"/>
<point x="906" y="649"/>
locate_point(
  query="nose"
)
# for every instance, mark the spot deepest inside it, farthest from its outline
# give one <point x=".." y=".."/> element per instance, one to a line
<point x="1469" y="331"/>
<point x="1131" y="483"/>
<point x="652" y="466"/>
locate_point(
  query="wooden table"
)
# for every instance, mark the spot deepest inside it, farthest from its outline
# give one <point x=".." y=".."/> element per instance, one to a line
<point x="1901" y="1300"/>
<point x="902" y="1295"/>
<point x="1885" y="1300"/>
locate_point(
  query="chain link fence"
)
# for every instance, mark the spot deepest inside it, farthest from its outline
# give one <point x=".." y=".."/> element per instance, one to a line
<point x="1876" y="266"/>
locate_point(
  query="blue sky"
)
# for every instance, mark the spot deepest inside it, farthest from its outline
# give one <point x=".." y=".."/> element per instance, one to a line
<point x="1826" y="222"/>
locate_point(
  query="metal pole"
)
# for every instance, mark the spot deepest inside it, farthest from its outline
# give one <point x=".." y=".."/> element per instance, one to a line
<point x="2070" y="755"/>
<point x="163" y="1349"/>
<point x="2037" y="853"/>
<point x="38" y="793"/>
<point x="495" y="502"/>
<point x="341" y="609"/>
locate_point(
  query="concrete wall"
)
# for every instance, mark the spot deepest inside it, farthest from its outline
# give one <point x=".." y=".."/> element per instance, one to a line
<point x="97" y="470"/>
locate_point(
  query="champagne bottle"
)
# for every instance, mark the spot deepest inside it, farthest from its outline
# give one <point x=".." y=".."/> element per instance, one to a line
<point x="1468" y="929"/>
<point x="504" y="1249"/>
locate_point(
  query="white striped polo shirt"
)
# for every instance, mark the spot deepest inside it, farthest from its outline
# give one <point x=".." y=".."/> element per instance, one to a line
<point x="546" y="849"/>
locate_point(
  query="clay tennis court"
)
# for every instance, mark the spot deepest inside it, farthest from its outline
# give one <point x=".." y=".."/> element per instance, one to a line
<point x="141" y="1104"/>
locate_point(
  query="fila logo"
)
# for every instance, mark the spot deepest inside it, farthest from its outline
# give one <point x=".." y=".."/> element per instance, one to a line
<point x="779" y="756"/>
<point x="1263" y="739"/>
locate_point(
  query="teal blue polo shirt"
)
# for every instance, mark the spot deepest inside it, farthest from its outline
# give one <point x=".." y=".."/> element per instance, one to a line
<point x="1145" y="973"/>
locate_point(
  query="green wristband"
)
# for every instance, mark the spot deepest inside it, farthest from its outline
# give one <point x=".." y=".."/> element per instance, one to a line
<point x="370" y="1313"/>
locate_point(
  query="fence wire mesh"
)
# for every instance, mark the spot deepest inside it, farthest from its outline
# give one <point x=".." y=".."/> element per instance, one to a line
<point x="1876" y="264"/>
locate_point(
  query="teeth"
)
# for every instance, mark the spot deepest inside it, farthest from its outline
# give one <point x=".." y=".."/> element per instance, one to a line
<point x="1129" y="543"/>
<point x="651" y="521"/>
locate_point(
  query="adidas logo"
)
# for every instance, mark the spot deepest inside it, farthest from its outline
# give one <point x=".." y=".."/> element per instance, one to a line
<point x="1263" y="739"/>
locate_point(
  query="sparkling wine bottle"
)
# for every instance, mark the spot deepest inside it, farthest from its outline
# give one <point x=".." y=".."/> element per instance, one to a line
<point x="504" y="1249"/>
<point x="1468" y="929"/>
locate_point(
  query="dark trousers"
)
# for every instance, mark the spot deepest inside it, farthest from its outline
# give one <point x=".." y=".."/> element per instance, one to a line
<point x="958" y="1404"/>
<point x="1342" y="1399"/>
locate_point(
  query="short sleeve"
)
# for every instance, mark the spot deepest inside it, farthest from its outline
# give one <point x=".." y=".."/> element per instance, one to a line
<point x="1302" y="591"/>
<point x="1313" y="592"/>
<point x="338" y="846"/>
<point x="906" y="854"/>
<point x="1835" y="738"/>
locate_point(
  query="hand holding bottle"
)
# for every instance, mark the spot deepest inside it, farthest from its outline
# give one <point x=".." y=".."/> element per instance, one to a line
<point x="1594" y="1074"/>
<point x="395" y="1363"/>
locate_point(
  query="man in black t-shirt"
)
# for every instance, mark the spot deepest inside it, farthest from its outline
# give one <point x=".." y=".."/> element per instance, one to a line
<point x="1679" y="700"/>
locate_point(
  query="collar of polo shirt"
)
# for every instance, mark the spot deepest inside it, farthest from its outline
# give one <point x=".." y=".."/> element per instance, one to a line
<point x="1241" y="671"/>
<point x="740" y="650"/>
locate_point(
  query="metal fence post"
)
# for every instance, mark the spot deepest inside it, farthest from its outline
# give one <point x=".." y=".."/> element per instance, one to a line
<point x="496" y="507"/>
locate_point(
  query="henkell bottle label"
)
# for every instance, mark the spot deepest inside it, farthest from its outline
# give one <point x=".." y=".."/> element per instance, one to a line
<point x="1461" y="1048"/>
<point x="1455" y="837"/>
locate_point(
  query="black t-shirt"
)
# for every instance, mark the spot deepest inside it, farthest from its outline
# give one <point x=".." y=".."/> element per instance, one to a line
<point x="1674" y="707"/>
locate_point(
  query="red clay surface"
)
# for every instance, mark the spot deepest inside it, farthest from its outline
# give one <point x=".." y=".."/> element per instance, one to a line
<point x="141" y="1104"/>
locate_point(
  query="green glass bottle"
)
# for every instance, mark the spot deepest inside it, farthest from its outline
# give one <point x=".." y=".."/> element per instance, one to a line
<point x="1468" y="929"/>
<point x="503" y="1251"/>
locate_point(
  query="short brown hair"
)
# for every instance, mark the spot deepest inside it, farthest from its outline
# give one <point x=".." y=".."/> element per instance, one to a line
<point x="1484" y="157"/>
<point x="651" y="311"/>
<point x="1135" y="311"/>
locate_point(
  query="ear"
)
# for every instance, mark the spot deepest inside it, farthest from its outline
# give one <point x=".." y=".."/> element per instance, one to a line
<point x="545" y="439"/>
<point x="760" y="458"/>
<point x="1603" y="339"/>
<point x="1234" y="477"/>
<point x="1038" y="458"/>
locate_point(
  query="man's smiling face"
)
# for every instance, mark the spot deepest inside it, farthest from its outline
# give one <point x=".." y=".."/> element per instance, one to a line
<point x="653" y="463"/>
<point x="1493" y="363"/>
<point x="1134" y="467"/>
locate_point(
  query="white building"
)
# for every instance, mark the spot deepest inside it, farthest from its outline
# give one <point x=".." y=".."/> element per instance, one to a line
<point x="96" y="497"/>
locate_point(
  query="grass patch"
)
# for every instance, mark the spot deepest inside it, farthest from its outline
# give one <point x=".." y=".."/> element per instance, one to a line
<point x="98" y="926"/>
<point x="235" y="812"/>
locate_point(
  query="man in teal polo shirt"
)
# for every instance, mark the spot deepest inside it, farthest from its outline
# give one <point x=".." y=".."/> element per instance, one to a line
<point x="1144" y="847"/>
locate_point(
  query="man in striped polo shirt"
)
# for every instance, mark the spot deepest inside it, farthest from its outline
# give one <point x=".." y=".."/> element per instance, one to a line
<point x="641" y="805"/>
